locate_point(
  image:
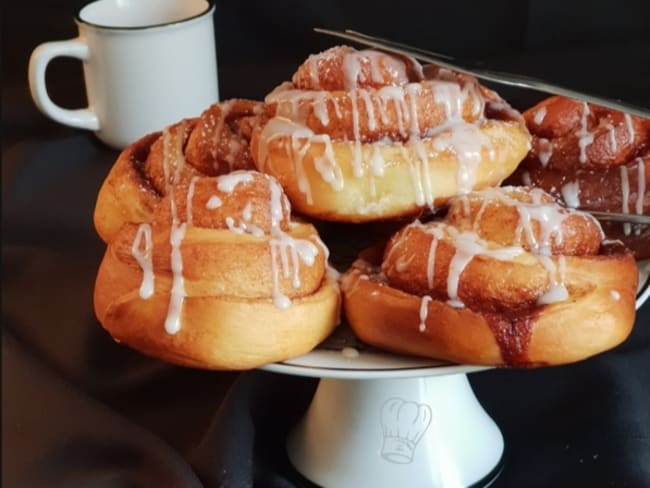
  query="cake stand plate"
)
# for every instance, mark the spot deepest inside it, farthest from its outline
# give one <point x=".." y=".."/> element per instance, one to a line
<point x="382" y="420"/>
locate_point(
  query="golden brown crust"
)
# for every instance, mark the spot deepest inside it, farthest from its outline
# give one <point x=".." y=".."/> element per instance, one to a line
<point x="352" y="140"/>
<point x="577" y="135"/>
<point x="445" y="292"/>
<point x="219" y="278"/>
<point x="224" y="333"/>
<point x="214" y="143"/>
<point x="408" y="178"/>
<point x="560" y="333"/>
<point x="126" y="194"/>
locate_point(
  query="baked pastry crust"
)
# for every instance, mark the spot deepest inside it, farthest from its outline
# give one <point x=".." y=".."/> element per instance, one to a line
<point x="470" y="292"/>
<point x="594" y="159"/>
<point x="221" y="278"/>
<point x="361" y="135"/>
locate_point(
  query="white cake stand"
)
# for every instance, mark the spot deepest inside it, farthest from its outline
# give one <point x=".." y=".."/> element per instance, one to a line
<point x="378" y="420"/>
<point x="381" y="420"/>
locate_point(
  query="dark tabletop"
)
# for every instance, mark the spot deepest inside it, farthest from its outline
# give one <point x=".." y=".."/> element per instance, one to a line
<point x="80" y="410"/>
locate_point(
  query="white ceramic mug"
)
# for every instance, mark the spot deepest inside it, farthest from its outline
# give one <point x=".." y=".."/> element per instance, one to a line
<point x="147" y="64"/>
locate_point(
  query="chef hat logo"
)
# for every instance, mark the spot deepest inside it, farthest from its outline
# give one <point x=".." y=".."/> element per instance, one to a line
<point x="403" y="424"/>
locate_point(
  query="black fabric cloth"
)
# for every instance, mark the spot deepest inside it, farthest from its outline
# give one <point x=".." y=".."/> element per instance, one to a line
<point x="79" y="410"/>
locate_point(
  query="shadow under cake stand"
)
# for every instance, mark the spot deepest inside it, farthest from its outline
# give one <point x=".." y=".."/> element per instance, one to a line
<point x="382" y="420"/>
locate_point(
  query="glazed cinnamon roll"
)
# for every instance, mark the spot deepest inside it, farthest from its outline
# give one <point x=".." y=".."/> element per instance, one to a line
<point x="508" y="278"/>
<point x="221" y="277"/>
<point x="594" y="159"/>
<point x="362" y="135"/>
<point x="215" y="143"/>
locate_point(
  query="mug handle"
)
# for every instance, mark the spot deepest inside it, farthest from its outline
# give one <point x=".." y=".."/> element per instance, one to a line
<point x="40" y="58"/>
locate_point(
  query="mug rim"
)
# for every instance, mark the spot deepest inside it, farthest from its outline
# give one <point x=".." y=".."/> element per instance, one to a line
<point x="209" y="8"/>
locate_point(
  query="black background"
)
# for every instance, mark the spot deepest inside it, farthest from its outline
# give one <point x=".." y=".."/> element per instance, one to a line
<point x="79" y="410"/>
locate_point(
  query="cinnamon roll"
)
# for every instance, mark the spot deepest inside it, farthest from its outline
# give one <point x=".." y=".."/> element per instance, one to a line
<point x="215" y="143"/>
<point x="592" y="158"/>
<point x="362" y="135"/>
<point x="221" y="277"/>
<point x="508" y="278"/>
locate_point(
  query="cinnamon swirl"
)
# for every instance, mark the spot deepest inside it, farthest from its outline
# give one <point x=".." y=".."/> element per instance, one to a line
<point x="215" y="143"/>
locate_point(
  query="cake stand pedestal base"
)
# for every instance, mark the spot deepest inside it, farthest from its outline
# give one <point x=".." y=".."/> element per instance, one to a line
<point x="417" y="432"/>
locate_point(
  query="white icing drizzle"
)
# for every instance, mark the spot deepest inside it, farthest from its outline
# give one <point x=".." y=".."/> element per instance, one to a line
<point x="177" y="295"/>
<point x="585" y="137"/>
<point x="539" y="115"/>
<point x="247" y="213"/>
<point x="370" y="109"/>
<point x="640" y="195"/>
<point x="613" y="144"/>
<point x="300" y="137"/>
<point x="416" y="175"/>
<point x="631" y="134"/>
<point x="234" y="146"/>
<point x="357" y="159"/>
<point x="625" y="195"/>
<point x="188" y="201"/>
<point x="412" y="91"/>
<point x="469" y="244"/>
<point x="545" y="151"/>
<point x="280" y="300"/>
<point x="449" y="96"/>
<point x="549" y="217"/>
<point x="290" y="251"/>
<point x="403" y="262"/>
<point x="320" y="108"/>
<point x="213" y="202"/>
<point x="377" y="163"/>
<point x="276" y="205"/>
<point x="571" y="194"/>
<point x="173" y="151"/>
<point x="326" y="252"/>
<point x="243" y="228"/>
<point x="431" y="257"/>
<point x="424" y="312"/>
<point x="353" y="74"/>
<point x="423" y="172"/>
<point x="227" y="183"/>
<point x="557" y="292"/>
<point x="350" y="352"/>
<point x="287" y="253"/>
<point x="144" y="257"/>
<point x="466" y="141"/>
